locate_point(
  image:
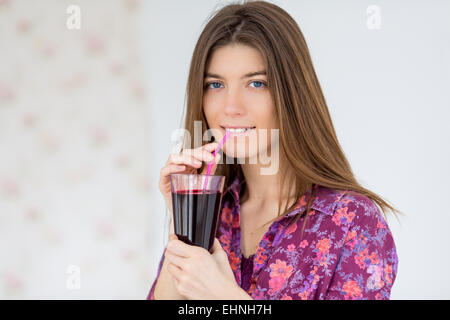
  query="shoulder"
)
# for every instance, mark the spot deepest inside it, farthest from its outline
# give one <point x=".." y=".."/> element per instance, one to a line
<point x="348" y="208"/>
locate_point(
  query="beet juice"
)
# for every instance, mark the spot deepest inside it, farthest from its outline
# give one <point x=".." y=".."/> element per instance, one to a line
<point x="195" y="214"/>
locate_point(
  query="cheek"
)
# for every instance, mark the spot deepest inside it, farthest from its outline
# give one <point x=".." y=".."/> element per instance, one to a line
<point x="210" y="111"/>
<point x="264" y="116"/>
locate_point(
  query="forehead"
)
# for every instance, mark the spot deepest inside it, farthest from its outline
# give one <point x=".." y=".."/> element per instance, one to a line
<point x="235" y="59"/>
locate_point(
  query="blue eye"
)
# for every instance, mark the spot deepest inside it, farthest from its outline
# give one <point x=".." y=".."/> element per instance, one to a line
<point x="208" y="85"/>
<point x="258" y="84"/>
<point x="218" y="85"/>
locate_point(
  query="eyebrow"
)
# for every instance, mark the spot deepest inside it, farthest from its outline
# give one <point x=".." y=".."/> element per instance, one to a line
<point x="248" y="75"/>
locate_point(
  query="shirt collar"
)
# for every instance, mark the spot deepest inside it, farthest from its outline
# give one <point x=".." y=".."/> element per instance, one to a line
<point x="325" y="199"/>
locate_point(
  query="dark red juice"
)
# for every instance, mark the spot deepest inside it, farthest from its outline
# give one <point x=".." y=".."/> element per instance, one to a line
<point x="195" y="214"/>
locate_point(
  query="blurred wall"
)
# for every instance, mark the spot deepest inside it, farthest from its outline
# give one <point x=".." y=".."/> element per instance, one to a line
<point x="74" y="151"/>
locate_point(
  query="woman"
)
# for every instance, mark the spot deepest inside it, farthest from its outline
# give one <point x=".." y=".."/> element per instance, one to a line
<point x="308" y="230"/>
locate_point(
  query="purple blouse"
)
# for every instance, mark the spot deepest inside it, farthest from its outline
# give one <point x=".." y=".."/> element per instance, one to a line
<point x="246" y="271"/>
<point x="346" y="251"/>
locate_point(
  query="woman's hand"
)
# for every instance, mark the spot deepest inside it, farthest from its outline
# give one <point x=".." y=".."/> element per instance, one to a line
<point x="188" y="161"/>
<point x="199" y="275"/>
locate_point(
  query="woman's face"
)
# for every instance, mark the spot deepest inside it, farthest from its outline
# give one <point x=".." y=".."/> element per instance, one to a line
<point x="237" y="99"/>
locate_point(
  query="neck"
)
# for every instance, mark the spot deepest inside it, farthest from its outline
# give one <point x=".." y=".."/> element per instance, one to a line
<point x="263" y="189"/>
<point x="260" y="188"/>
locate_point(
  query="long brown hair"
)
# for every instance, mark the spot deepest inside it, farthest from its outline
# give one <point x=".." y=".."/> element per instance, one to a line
<point x="309" y="149"/>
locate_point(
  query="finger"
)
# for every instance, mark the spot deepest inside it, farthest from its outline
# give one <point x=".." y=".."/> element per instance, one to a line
<point x="217" y="246"/>
<point x="175" y="260"/>
<point x="173" y="236"/>
<point x="175" y="272"/>
<point x="185" y="158"/>
<point x="171" y="168"/>
<point x="214" y="166"/>
<point x="201" y="154"/>
<point x="210" y="146"/>
<point x="182" y="249"/>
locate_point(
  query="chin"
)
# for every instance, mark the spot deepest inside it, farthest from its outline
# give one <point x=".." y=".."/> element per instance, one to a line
<point x="241" y="154"/>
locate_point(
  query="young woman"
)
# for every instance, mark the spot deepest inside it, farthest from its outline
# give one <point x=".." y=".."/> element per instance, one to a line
<point x="308" y="230"/>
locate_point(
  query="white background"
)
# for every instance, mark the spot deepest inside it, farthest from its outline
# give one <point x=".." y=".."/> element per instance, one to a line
<point x="388" y="94"/>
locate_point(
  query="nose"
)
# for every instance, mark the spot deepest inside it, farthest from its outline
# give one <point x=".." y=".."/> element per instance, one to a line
<point x="234" y="106"/>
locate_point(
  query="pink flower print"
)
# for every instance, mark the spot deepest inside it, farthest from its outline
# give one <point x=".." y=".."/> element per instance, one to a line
<point x="301" y="202"/>
<point x="360" y="258"/>
<point x="362" y="238"/>
<point x="316" y="279"/>
<point x="323" y="261"/>
<point x="304" y="295"/>
<point x="276" y="284"/>
<point x="314" y="270"/>
<point x="280" y="272"/>
<point x="234" y="261"/>
<point x="122" y="160"/>
<point x="291" y="229"/>
<point x="351" y="235"/>
<point x="352" y="290"/>
<point x="281" y="269"/>
<point x="260" y="259"/>
<point x="341" y="216"/>
<point x="373" y="258"/>
<point x="258" y="295"/>
<point x="236" y="222"/>
<point x="378" y="296"/>
<point x="13" y="281"/>
<point x="29" y="120"/>
<point x="381" y="225"/>
<point x="105" y="229"/>
<point x="94" y="43"/>
<point x="374" y="282"/>
<point x="286" y="297"/>
<point x="323" y="245"/>
<point x="225" y="243"/>
<point x="291" y="247"/>
<point x="337" y="216"/>
<point x="351" y="239"/>
<point x="23" y="25"/>
<point x="9" y="187"/>
<point x="227" y="217"/>
<point x="99" y="135"/>
<point x="304" y="244"/>
<point x="388" y="274"/>
<point x="6" y="92"/>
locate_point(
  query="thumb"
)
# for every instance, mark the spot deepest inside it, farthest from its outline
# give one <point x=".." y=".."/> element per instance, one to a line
<point x="217" y="247"/>
<point x="173" y="236"/>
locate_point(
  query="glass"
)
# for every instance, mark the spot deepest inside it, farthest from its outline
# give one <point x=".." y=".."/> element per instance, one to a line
<point x="196" y="203"/>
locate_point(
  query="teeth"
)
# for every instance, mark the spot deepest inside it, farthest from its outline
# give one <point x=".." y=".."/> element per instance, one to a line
<point x="237" y="130"/>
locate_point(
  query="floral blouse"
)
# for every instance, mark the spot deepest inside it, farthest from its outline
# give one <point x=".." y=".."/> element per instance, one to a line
<point x="346" y="251"/>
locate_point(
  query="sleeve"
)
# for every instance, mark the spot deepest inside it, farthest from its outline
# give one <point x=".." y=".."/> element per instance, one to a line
<point x="151" y="295"/>
<point x="367" y="264"/>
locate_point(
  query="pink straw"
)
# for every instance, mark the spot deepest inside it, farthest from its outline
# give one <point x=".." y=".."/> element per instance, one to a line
<point x="208" y="172"/>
